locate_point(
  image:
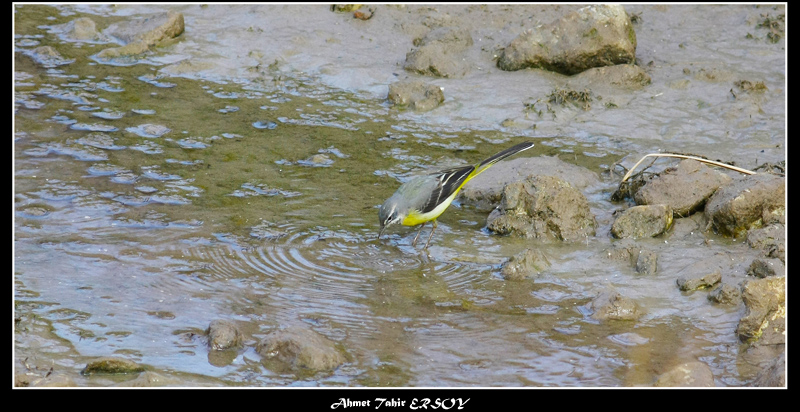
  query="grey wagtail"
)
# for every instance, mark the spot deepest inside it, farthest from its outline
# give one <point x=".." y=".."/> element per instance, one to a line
<point x="424" y="198"/>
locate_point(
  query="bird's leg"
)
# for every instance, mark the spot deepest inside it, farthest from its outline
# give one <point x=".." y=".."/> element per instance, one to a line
<point x="414" y="243"/>
<point x="431" y="236"/>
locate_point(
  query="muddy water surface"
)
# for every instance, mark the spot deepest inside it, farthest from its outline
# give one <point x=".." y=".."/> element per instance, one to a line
<point x="235" y="173"/>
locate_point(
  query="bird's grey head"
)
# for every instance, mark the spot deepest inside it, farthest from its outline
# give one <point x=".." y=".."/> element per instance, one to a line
<point x="389" y="215"/>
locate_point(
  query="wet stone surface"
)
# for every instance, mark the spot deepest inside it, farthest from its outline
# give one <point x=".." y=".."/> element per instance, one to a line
<point x="642" y="221"/>
<point x="741" y="205"/>
<point x="685" y="189"/>
<point x="725" y="294"/>
<point x="527" y="263"/>
<point x="416" y="95"/>
<point x="543" y="207"/>
<point x="614" y="306"/>
<point x="300" y="348"/>
<point x="704" y="282"/>
<point x="765" y="301"/>
<point x="600" y="35"/>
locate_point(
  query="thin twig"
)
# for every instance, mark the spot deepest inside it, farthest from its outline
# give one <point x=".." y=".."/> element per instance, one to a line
<point x="699" y="159"/>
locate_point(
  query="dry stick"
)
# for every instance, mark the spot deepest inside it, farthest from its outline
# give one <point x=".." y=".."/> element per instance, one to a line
<point x="699" y="159"/>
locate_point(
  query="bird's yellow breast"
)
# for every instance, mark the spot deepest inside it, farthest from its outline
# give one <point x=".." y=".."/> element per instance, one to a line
<point x="415" y="217"/>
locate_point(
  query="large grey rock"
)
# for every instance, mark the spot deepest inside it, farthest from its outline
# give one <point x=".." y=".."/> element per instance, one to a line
<point x="485" y="191"/>
<point x="685" y="189"/>
<point x="742" y="205"/>
<point x="543" y="207"/>
<point x="598" y="35"/>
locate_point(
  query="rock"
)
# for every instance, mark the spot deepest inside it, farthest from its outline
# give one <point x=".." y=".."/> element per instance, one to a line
<point x="725" y="294"/>
<point x="741" y="205"/>
<point x="770" y="239"/>
<point x="599" y="35"/>
<point x="485" y="191"/>
<point x="81" y="30"/>
<point x="111" y="365"/>
<point x="141" y="34"/>
<point x="614" y="306"/>
<point x="525" y="264"/>
<point x="223" y="334"/>
<point x="416" y="95"/>
<point x="642" y="221"/>
<point x="706" y="281"/>
<point x="762" y="268"/>
<point x="773" y="375"/>
<point x="691" y="374"/>
<point x="439" y="53"/>
<point x="317" y="160"/>
<point x="647" y="263"/>
<point x="625" y="250"/>
<point x="765" y="303"/>
<point x="685" y="189"/>
<point x="48" y="57"/>
<point x="543" y="207"/>
<point x="300" y="348"/>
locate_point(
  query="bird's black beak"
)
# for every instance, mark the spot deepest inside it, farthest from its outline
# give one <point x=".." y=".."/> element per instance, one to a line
<point x="383" y="227"/>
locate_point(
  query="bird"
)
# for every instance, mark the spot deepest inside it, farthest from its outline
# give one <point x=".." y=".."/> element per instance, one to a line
<point x="423" y="198"/>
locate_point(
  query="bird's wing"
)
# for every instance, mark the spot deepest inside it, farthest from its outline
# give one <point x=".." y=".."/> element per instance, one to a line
<point x="447" y="182"/>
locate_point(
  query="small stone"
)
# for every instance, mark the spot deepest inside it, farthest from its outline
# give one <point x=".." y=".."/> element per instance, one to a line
<point x="642" y="221"/>
<point x="614" y="306"/>
<point x="415" y="95"/>
<point x="111" y="365"/>
<point x="762" y="268"/>
<point x="525" y="264"/>
<point x="725" y="294"/>
<point x="647" y="262"/>
<point x="223" y="334"/>
<point x="700" y="283"/>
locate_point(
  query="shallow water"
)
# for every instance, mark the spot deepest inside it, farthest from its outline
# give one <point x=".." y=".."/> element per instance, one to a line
<point x="153" y="198"/>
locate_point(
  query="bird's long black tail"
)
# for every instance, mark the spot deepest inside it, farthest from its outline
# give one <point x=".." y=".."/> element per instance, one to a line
<point x="502" y="155"/>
